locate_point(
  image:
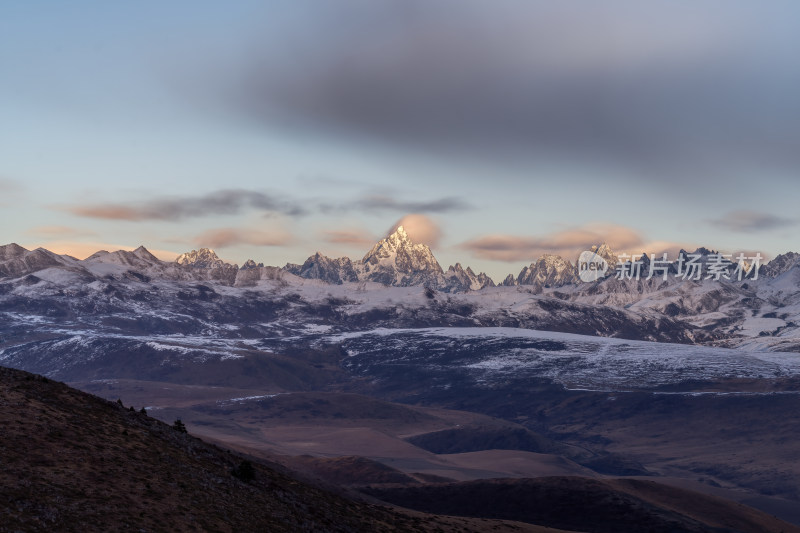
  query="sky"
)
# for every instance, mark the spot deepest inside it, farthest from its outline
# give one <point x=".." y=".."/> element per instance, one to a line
<point x="494" y="131"/>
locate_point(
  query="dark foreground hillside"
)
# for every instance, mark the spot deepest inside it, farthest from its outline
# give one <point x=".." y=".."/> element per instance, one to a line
<point x="584" y="504"/>
<point x="70" y="461"/>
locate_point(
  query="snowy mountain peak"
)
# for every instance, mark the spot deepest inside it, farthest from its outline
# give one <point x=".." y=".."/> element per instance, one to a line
<point x="704" y="251"/>
<point x="548" y="271"/>
<point x="10" y="251"/>
<point x="97" y="255"/>
<point x="400" y="232"/>
<point x="398" y="248"/>
<point x="782" y="263"/>
<point x="393" y="243"/>
<point x="140" y="258"/>
<point x="143" y="253"/>
<point x="250" y="264"/>
<point x="605" y="251"/>
<point x="202" y="258"/>
<point x="459" y="279"/>
<point x="509" y="281"/>
<point x="17" y="261"/>
<point x="320" y="266"/>
<point x="398" y="261"/>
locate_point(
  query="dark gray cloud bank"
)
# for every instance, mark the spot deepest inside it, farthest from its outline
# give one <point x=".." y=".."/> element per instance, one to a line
<point x="679" y="90"/>
<point x="173" y="208"/>
<point x="752" y="221"/>
<point x="236" y="201"/>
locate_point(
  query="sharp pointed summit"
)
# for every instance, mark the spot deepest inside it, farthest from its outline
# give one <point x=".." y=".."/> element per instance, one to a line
<point x="396" y="260"/>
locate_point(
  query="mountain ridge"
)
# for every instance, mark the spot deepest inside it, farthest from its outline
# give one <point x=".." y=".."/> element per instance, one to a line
<point x="393" y="261"/>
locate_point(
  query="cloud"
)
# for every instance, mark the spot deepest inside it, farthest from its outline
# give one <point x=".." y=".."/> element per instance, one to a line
<point x="223" y="202"/>
<point x="678" y="89"/>
<point x="234" y="201"/>
<point x="8" y="185"/>
<point x="9" y="190"/>
<point x="751" y="221"/>
<point x="389" y="203"/>
<point x="420" y="229"/>
<point x="225" y="237"/>
<point x="60" y="232"/>
<point x="568" y="243"/>
<point x="349" y="237"/>
<point x="393" y="202"/>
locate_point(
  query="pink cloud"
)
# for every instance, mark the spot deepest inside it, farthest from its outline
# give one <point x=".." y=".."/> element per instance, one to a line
<point x="111" y="212"/>
<point x="420" y="228"/>
<point x="60" y="231"/>
<point x="568" y="243"/>
<point x="349" y="237"/>
<point x="224" y="237"/>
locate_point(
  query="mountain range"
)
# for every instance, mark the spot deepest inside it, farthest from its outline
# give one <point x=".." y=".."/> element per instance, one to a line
<point x="393" y="261"/>
<point x="677" y="377"/>
<point x="547" y="295"/>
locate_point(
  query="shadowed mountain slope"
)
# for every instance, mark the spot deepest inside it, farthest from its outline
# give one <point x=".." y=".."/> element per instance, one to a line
<point x="585" y="504"/>
<point x="70" y="461"/>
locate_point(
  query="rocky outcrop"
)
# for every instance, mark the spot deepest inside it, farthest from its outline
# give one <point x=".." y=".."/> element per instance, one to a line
<point x="318" y="266"/>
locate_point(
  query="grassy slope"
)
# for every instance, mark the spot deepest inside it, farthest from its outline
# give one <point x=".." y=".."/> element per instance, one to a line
<point x="70" y="461"/>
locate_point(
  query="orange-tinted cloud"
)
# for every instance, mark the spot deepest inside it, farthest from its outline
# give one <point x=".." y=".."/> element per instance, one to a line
<point x="568" y="243"/>
<point x="349" y="237"/>
<point x="224" y="237"/>
<point x="111" y="212"/>
<point x="8" y="190"/>
<point x="60" y="232"/>
<point x="9" y="185"/>
<point x="420" y="228"/>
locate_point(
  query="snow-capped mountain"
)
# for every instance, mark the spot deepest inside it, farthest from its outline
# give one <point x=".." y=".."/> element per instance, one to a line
<point x="251" y="264"/>
<point x="11" y="251"/>
<point x="763" y="312"/>
<point x="141" y="317"/>
<point x="140" y="258"/>
<point x="394" y="261"/>
<point x="202" y="258"/>
<point x="399" y="262"/>
<point x="318" y="266"/>
<point x="782" y="263"/>
<point x="458" y="279"/>
<point x="509" y="281"/>
<point x="208" y="261"/>
<point x="551" y="271"/>
<point x="17" y="261"/>
<point x="548" y="271"/>
<point x="606" y="253"/>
